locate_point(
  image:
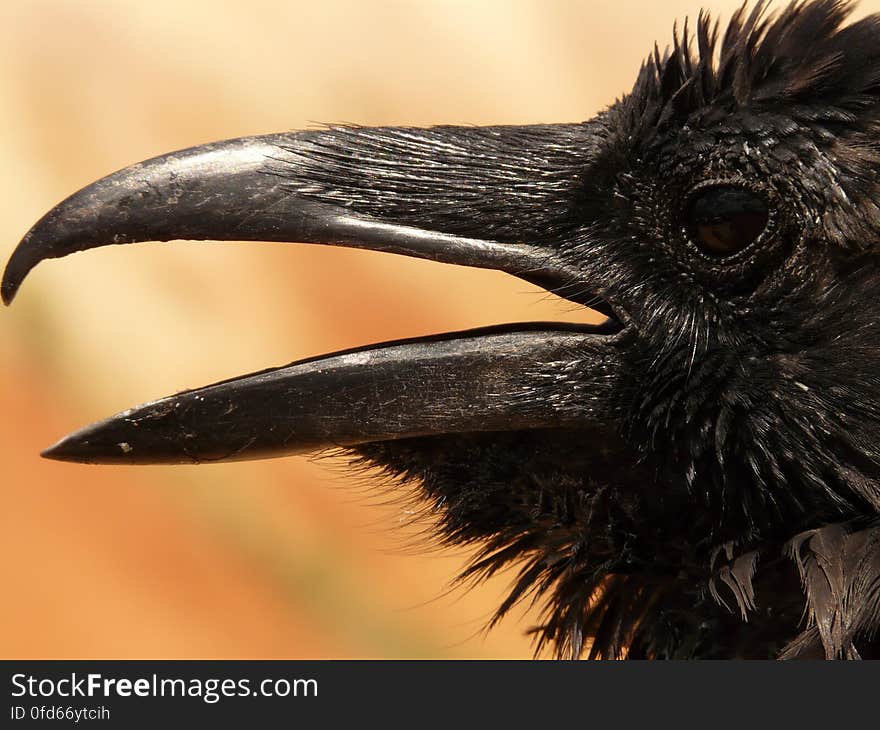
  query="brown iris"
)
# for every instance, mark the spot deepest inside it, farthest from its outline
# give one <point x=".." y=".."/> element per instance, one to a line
<point x="724" y="220"/>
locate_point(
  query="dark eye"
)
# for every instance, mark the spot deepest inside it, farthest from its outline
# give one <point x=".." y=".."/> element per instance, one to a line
<point x="725" y="219"/>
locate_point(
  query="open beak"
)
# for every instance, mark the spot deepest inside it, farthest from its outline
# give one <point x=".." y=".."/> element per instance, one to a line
<point x="484" y="197"/>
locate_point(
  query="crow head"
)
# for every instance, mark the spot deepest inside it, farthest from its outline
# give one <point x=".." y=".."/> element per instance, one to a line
<point x="723" y="215"/>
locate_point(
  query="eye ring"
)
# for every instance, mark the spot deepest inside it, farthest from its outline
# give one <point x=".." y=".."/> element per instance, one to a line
<point x="726" y="218"/>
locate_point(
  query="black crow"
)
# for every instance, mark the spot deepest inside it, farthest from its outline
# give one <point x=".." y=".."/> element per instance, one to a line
<point x="697" y="477"/>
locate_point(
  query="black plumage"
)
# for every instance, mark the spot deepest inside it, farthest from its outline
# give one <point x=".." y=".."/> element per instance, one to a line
<point x="700" y="476"/>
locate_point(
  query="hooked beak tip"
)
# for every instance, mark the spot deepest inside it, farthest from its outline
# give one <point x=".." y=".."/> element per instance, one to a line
<point x="18" y="267"/>
<point x="9" y="288"/>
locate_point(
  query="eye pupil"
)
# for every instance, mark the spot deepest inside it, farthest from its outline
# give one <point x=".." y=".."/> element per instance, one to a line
<point x="725" y="219"/>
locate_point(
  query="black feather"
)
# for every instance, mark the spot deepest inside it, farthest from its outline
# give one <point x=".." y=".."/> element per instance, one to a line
<point x="840" y="570"/>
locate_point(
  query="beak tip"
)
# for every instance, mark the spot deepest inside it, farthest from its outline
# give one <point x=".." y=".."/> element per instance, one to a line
<point x="7" y="294"/>
<point x="89" y="446"/>
<point x="70" y="449"/>
<point x="16" y="270"/>
<point x="9" y="287"/>
<point x="116" y="441"/>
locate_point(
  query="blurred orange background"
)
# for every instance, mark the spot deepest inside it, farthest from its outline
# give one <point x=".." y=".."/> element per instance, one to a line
<point x="284" y="558"/>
